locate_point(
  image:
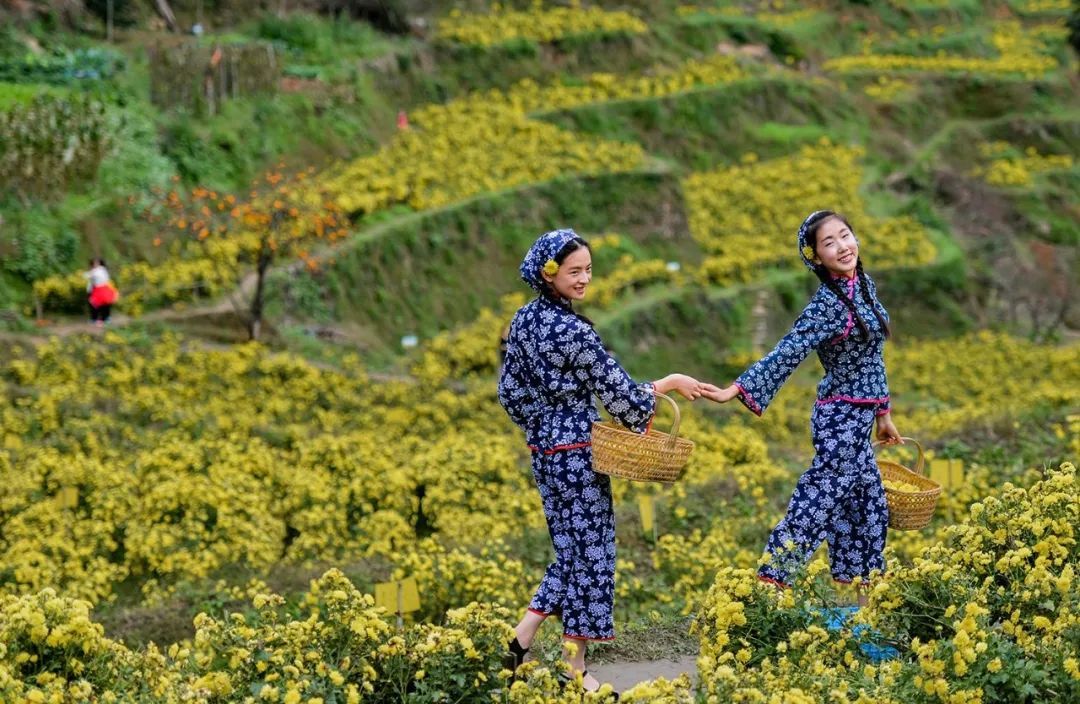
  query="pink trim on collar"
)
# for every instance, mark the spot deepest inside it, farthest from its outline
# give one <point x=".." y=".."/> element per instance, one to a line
<point x="850" y="316"/>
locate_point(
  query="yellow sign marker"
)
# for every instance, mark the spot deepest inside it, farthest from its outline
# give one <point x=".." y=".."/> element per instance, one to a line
<point x="647" y="507"/>
<point x="410" y="596"/>
<point x="948" y="473"/>
<point x="956" y="472"/>
<point x="67" y="497"/>
<point x="386" y="596"/>
<point x="399" y="597"/>
<point x="940" y="471"/>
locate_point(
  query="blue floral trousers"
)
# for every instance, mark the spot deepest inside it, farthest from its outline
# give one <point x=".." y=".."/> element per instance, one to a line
<point x="840" y="499"/>
<point x="579" y="586"/>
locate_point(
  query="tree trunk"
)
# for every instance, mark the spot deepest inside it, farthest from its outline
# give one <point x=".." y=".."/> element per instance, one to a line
<point x="163" y="9"/>
<point x="760" y="316"/>
<point x="262" y="265"/>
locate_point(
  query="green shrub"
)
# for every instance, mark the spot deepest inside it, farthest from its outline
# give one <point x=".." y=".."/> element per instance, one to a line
<point x="37" y="246"/>
<point x="24" y="93"/>
<point x="298" y="31"/>
<point x="62" y="66"/>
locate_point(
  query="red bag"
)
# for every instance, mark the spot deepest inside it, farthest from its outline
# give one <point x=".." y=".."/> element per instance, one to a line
<point x="104" y="295"/>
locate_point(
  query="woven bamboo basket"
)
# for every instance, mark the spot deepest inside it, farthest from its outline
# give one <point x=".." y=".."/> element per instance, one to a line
<point x="653" y="456"/>
<point x="910" y="510"/>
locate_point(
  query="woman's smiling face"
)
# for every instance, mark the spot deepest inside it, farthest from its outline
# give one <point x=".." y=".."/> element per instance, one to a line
<point x="574" y="275"/>
<point x="837" y="247"/>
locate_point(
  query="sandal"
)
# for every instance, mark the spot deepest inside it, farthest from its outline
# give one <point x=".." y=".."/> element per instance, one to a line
<point x="565" y="679"/>
<point x="515" y="655"/>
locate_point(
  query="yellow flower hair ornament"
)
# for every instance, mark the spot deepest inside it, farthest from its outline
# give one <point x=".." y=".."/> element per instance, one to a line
<point x="808" y="252"/>
<point x="551" y="267"/>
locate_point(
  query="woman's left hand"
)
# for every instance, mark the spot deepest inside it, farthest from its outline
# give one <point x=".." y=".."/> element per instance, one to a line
<point x="887" y="432"/>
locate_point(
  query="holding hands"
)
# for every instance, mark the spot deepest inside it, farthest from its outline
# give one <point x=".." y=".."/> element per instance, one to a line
<point x="715" y="393"/>
<point x="692" y="389"/>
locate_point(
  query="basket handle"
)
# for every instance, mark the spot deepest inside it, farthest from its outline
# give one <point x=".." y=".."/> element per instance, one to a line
<point x="920" y="461"/>
<point x="678" y="416"/>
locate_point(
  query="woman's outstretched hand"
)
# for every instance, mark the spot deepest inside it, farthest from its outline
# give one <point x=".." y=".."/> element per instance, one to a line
<point x="686" y="386"/>
<point x="715" y="393"/>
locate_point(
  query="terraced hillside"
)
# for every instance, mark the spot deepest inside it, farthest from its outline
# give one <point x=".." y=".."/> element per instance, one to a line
<point x="187" y="515"/>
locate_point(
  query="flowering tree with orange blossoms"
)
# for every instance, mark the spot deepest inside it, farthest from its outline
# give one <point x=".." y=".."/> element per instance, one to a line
<point x="281" y="214"/>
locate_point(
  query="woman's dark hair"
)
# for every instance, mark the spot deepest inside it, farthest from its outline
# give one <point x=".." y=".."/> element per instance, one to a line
<point x="96" y="261"/>
<point x="827" y="278"/>
<point x="567" y="249"/>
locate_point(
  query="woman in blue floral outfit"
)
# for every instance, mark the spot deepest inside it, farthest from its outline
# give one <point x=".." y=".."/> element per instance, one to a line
<point x="555" y="363"/>
<point x="840" y="498"/>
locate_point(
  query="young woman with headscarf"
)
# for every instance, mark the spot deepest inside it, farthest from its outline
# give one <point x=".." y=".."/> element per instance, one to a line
<point x="840" y="498"/>
<point x="555" y="364"/>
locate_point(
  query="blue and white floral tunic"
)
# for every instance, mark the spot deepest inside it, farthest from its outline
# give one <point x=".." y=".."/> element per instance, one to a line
<point x="555" y="363"/>
<point x="854" y="366"/>
<point x="840" y="498"/>
<point x="554" y="366"/>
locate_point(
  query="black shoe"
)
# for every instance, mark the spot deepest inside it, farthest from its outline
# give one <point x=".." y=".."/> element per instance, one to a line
<point x="515" y="655"/>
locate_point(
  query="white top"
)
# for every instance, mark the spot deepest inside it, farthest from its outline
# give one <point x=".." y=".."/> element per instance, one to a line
<point x="98" y="276"/>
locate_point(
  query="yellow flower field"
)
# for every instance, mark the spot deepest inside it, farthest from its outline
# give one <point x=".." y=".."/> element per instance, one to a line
<point x="1021" y="53"/>
<point x="1011" y="561"/>
<point x="455" y="153"/>
<point x="1008" y="169"/>
<point x="486" y="142"/>
<point x="191" y="508"/>
<point x="731" y="207"/>
<point x="538" y="23"/>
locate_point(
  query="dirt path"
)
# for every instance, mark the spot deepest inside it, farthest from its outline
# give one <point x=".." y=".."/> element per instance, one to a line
<point x="624" y="675"/>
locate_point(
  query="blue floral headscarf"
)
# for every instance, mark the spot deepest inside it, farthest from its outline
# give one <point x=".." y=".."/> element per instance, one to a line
<point x="543" y="249"/>
<point x="803" y="246"/>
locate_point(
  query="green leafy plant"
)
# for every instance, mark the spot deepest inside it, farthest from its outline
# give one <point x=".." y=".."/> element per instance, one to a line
<point x="51" y="144"/>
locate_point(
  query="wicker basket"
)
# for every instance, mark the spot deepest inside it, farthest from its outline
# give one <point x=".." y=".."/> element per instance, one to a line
<point x="910" y="510"/>
<point x="650" y="457"/>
